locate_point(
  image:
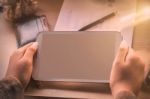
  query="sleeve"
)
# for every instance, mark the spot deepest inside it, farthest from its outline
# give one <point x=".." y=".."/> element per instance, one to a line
<point x="125" y="95"/>
<point x="11" y="88"/>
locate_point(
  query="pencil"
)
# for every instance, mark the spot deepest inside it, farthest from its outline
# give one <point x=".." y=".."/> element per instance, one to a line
<point x="101" y="20"/>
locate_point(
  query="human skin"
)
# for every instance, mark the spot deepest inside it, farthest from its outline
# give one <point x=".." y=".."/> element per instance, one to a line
<point x="127" y="73"/>
<point x="21" y="63"/>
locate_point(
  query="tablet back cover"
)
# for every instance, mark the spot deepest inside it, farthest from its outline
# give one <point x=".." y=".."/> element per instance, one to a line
<point x="76" y="56"/>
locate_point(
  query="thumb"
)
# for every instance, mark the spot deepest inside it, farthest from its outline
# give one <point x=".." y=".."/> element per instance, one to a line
<point x="122" y="52"/>
<point x="31" y="50"/>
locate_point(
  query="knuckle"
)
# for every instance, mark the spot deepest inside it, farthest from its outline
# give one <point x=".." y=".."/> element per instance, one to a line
<point x="141" y="63"/>
<point x="32" y="49"/>
<point x="134" y="58"/>
<point x="118" y="63"/>
<point x="26" y="61"/>
<point x="18" y="51"/>
<point x="111" y="84"/>
<point x="14" y="54"/>
<point x="122" y="49"/>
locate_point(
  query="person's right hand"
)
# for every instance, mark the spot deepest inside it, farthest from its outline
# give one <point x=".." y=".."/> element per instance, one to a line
<point x="127" y="72"/>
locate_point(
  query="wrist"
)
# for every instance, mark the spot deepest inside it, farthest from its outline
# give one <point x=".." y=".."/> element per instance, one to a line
<point x="14" y="79"/>
<point x="118" y="88"/>
<point x="11" y="87"/>
<point x="125" y="95"/>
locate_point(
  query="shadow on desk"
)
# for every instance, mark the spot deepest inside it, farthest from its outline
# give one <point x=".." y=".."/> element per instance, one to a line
<point x="74" y="86"/>
<point x="68" y="90"/>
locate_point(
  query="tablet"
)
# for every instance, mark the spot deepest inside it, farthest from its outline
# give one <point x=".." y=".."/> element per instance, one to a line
<point x="76" y="56"/>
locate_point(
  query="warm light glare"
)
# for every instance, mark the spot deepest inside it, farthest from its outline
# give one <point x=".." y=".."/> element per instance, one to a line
<point x="137" y="18"/>
<point x="145" y="11"/>
<point x="143" y="15"/>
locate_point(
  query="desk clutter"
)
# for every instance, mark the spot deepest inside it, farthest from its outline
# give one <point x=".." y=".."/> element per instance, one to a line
<point x="76" y="14"/>
<point x="28" y="31"/>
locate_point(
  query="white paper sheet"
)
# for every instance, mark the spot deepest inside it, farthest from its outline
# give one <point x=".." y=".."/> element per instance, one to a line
<point x="75" y="14"/>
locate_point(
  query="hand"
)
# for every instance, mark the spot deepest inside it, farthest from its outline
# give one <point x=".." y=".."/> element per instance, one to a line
<point x="127" y="72"/>
<point x="20" y="63"/>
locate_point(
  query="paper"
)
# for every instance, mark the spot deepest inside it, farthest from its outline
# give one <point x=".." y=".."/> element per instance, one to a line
<point x="75" y="14"/>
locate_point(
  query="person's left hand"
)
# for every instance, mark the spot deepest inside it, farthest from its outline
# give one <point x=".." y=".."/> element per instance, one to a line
<point x="21" y="62"/>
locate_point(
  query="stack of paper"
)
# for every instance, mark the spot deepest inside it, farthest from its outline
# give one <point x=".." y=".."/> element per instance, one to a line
<point x="75" y="14"/>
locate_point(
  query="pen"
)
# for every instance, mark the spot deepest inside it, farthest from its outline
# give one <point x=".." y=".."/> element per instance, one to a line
<point x="98" y="21"/>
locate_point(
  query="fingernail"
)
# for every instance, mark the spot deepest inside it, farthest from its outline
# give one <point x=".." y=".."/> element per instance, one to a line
<point x="35" y="45"/>
<point x="124" y="44"/>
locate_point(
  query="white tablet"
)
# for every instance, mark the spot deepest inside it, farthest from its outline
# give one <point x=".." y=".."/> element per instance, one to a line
<point x="76" y="56"/>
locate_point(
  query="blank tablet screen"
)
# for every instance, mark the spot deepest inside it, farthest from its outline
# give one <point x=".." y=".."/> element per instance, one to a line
<point x="76" y="56"/>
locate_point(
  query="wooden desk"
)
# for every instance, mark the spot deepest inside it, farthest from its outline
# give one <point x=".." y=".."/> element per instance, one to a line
<point x="65" y="93"/>
<point x="51" y="8"/>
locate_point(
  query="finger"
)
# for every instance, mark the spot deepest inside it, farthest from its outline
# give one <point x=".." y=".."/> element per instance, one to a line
<point x="20" y="52"/>
<point x="23" y="49"/>
<point x="122" y="52"/>
<point x="131" y="55"/>
<point x="134" y="58"/>
<point x="145" y="57"/>
<point x="31" y="50"/>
